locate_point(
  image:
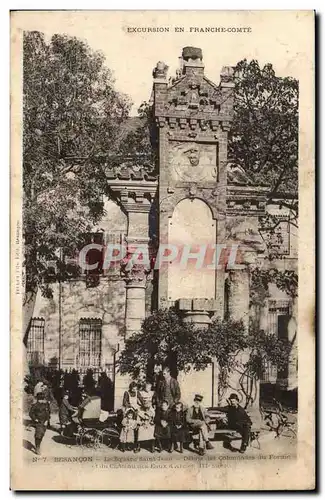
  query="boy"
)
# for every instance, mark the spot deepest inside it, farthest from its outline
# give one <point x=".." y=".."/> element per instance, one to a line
<point x="40" y="415"/>
<point x="178" y="426"/>
<point x="198" y="421"/>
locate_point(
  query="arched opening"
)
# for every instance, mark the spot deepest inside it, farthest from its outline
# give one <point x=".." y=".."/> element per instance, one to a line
<point x="193" y="230"/>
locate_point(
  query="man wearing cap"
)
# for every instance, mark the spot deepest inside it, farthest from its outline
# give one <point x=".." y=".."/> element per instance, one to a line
<point x="198" y="421"/>
<point x="238" y="420"/>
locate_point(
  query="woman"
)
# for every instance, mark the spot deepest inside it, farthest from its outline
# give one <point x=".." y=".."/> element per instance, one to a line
<point x="131" y="397"/>
<point x="146" y="416"/>
<point x="65" y="414"/>
<point x="146" y="394"/>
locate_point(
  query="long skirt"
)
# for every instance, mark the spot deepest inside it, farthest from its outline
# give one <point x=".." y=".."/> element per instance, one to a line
<point x="146" y="432"/>
<point x="179" y="435"/>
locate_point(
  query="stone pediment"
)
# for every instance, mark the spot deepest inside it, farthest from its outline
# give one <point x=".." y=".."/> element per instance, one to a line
<point x="194" y="94"/>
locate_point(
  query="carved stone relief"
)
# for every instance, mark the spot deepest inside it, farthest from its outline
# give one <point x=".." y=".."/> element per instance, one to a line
<point x="193" y="162"/>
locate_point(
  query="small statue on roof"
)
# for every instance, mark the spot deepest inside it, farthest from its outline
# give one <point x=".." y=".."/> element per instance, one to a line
<point x="160" y="71"/>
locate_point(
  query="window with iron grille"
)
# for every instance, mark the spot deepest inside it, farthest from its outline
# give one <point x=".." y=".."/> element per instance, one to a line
<point x="90" y="342"/>
<point x="35" y="342"/>
<point x="278" y="316"/>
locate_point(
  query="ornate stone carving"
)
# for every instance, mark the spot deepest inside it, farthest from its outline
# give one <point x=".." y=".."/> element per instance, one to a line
<point x="137" y="274"/>
<point x="192" y="162"/>
<point x="237" y="175"/>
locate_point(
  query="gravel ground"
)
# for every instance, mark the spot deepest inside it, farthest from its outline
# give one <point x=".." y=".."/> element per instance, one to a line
<point x="54" y="445"/>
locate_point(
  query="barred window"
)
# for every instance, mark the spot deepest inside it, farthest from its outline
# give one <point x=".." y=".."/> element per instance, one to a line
<point x="278" y="317"/>
<point x="90" y="342"/>
<point x="35" y="342"/>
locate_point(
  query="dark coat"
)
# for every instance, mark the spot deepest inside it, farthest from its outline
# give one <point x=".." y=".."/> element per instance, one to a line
<point x="40" y="414"/>
<point x="65" y="412"/>
<point x="174" y="389"/>
<point x="160" y="431"/>
<point x="126" y="399"/>
<point x="237" y="417"/>
<point x="178" y="425"/>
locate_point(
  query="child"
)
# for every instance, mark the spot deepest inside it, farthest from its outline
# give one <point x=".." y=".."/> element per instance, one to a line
<point x="40" y="414"/>
<point x="162" y="428"/>
<point x="178" y="426"/>
<point x="129" y="426"/>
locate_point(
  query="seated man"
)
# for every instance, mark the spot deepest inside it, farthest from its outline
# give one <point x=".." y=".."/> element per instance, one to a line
<point x="238" y="419"/>
<point x="198" y="421"/>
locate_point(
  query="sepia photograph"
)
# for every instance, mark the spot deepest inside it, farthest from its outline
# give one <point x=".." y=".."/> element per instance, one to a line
<point x="156" y="230"/>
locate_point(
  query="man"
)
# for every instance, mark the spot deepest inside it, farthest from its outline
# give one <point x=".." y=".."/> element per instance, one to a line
<point x="238" y="420"/>
<point x="157" y="377"/>
<point x="168" y="389"/>
<point x="198" y="421"/>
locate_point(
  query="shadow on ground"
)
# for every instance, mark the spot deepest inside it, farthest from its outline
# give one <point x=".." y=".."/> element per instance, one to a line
<point x="28" y="445"/>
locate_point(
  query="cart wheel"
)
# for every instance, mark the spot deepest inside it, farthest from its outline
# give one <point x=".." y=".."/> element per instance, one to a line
<point x="98" y="439"/>
<point x="106" y="438"/>
<point x="88" y="438"/>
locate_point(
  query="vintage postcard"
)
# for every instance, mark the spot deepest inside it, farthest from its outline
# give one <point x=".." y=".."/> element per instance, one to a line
<point x="162" y="250"/>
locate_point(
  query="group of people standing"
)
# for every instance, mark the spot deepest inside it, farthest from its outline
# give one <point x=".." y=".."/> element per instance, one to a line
<point x="153" y="415"/>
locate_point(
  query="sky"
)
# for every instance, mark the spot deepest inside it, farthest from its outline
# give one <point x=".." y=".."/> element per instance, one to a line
<point x="281" y="38"/>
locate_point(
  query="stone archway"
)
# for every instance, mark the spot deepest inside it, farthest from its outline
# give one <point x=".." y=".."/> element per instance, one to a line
<point x="193" y="229"/>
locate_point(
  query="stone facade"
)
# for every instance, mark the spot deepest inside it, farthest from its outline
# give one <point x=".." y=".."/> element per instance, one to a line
<point x="200" y="201"/>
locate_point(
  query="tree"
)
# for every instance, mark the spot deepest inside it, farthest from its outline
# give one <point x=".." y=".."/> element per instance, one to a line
<point x="264" y="132"/>
<point x="165" y="339"/>
<point x="72" y="118"/>
<point x="139" y="146"/>
<point x="264" y="140"/>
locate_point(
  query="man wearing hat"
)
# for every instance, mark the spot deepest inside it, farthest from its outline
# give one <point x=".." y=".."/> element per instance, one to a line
<point x="198" y="421"/>
<point x="238" y="420"/>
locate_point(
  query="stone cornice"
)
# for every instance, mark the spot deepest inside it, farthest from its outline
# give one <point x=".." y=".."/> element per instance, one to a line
<point x="133" y="195"/>
<point x="247" y="200"/>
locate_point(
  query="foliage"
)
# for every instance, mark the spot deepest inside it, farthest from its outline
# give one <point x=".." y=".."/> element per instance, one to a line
<point x="139" y="147"/>
<point x="264" y="134"/>
<point x="165" y="339"/>
<point x="287" y="281"/>
<point x="263" y="141"/>
<point x="72" y="116"/>
<point x="264" y="348"/>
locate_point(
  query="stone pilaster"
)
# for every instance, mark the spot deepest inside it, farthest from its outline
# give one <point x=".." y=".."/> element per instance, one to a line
<point x="135" y="284"/>
<point x="136" y="198"/>
<point x="199" y="312"/>
<point x="238" y="295"/>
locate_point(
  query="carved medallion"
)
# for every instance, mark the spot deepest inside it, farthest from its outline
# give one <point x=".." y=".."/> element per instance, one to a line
<point x="193" y="162"/>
